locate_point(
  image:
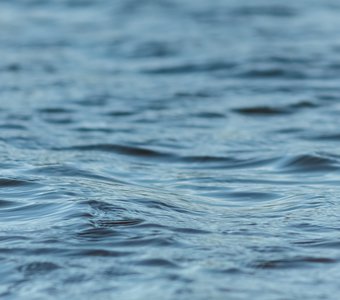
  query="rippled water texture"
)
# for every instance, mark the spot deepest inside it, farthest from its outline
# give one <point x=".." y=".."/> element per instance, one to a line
<point x="170" y="149"/>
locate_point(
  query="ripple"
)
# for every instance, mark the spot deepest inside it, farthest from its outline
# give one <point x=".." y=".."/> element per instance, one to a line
<point x="294" y="262"/>
<point x="304" y="104"/>
<point x="7" y="182"/>
<point x="326" y="244"/>
<point x="220" y="162"/>
<point x="37" y="268"/>
<point x="94" y="101"/>
<point x="250" y="197"/>
<point x="100" y="253"/>
<point x="327" y="137"/>
<point x="118" y="149"/>
<point x="116" y="223"/>
<point x="94" y="234"/>
<point x="69" y="171"/>
<point x="95" y="129"/>
<point x="276" y="110"/>
<point x="210" y="115"/>
<point x="61" y="121"/>
<point x="5" y="203"/>
<point x="160" y="262"/>
<point x="190" y="231"/>
<point x="266" y="10"/>
<point x="55" y="110"/>
<point x="27" y="212"/>
<point x="308" y="163"/>
<point x="121" y="113"/>
<point x="12" y="127"/>
<point x="154" y="49"/>
<point x="191" y="68"/>
<point x="262" y="111"/>
<point x="147" y="241"/>
<point x="272" y="73"/>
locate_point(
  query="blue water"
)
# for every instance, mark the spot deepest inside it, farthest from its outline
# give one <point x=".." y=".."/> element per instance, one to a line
<point x="170" y="149"/>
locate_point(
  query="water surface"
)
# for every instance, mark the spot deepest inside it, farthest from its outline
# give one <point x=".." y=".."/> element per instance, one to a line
<point x="172" y="149"/>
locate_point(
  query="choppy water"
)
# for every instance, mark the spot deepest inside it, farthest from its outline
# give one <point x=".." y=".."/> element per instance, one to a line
<point x="172" y="149"/>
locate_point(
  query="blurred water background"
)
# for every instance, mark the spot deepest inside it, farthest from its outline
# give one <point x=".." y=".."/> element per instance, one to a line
<point x="169" y="149"/>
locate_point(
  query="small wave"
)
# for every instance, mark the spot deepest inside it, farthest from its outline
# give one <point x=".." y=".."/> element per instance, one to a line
<point x="56" y="115"/>
<point x="35" y="268"/>
<point x="210" y="115"/>
<point x="220" y="162"/>
<point x="6" y="182"/>
<point x="308" y="163"/>
<point x="157" y="262"/>
<point x="117" y="223"/>
<point x="12" y="127"/>
<point x="262" y="111"/>
<point x="99" y="100"/>
<point x="265" y="10"/>
<point x="191" y="68"/>
<point x="293" y="262"/>
<point x="271" y="73"/>
<point x="94" y="234"/>
<point x="154" y="49"/>
<point x="206" y="93"/>
<point x="7" y="203"/>
<point x="157" y="241"/>
<point x="70" y="171"/>
<point x="119" y="149"/>
<point x="60" y="121"/>
<point x="55" y="110"/>
<point x="120" y="113"/>
<point x="94" y="129"/>
<point x="244" y="196"/>
<point x="190" y="231"/>
<point x="327" y="137"/>
<point x="321" y="243"/>
<point x="210" y="159"/>
<point x="304" y="104"/>
<point x="99" y="252"/>
<point x="29" y="212"/>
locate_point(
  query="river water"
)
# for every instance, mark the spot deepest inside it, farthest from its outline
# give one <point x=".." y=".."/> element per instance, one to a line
<point x="170" y="149"/>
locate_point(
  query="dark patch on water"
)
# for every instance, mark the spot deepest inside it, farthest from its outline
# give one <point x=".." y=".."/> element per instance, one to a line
<point x="262" y="110"/>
